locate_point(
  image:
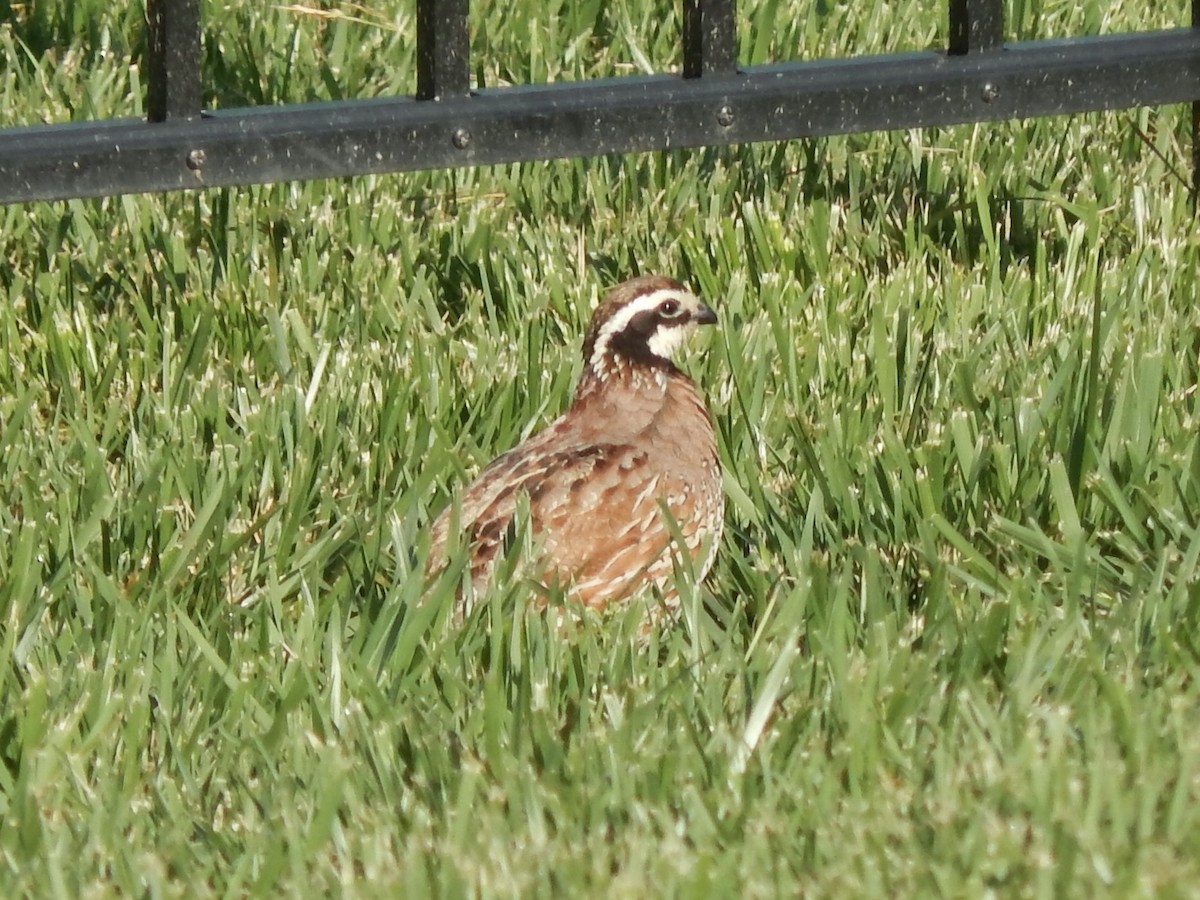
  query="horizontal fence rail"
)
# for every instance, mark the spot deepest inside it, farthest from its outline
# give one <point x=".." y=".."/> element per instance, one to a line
<point x="713" y="102"/>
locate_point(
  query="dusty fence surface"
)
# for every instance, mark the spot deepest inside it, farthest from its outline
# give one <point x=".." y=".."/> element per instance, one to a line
<point x="713" y="101"/>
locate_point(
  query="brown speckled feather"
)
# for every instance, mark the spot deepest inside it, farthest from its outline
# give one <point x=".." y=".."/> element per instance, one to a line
<point x="636" y="439"/>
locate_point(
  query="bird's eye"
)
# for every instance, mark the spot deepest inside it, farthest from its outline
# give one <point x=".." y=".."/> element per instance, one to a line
<point x="669" y="308"/>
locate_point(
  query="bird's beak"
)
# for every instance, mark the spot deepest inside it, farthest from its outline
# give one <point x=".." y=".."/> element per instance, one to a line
<point x="704" y="315"/>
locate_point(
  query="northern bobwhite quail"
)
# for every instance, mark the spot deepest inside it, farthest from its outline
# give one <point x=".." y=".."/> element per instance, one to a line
<point x="636" y="439"/>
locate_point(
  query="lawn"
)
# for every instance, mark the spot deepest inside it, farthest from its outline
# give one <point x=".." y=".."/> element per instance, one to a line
<point x="949" y="646"/>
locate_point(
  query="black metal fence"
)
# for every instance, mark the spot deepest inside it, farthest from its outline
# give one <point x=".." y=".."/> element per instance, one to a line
<point x="978" y="77"/>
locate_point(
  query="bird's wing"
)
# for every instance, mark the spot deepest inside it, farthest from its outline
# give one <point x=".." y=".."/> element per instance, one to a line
<point x="595" y="510"/>
<point x="595" y="507"/>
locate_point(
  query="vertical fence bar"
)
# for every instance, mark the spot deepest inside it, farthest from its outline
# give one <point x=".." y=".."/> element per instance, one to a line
<point x="173" y="59"/>
<point x="443" y="49"/>
<point x="1196" y="125"/>
<point x="710" y="37"/>
<point x="976" y="26"/>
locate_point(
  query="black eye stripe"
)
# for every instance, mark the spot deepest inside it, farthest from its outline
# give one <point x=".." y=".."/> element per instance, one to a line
<point x="643" y="323"/>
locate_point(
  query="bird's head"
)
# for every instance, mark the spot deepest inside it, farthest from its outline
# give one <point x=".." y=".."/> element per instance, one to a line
<point x="642" y="322"/>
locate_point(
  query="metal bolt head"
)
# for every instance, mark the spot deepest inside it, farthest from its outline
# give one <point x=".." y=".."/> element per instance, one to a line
<point x="989" y="92"/>
<point x="461" y="138"/>
<point x="725" y="116"/>
<point x="195" y="160"/>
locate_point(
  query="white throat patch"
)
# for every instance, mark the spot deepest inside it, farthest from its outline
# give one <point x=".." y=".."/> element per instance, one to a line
<point x="668" y="339"/>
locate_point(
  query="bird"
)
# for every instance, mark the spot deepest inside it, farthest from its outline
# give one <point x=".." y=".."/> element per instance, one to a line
<point x="630" y="466"/>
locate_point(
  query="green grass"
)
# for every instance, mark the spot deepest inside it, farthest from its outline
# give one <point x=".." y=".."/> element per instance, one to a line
<point x="949" y="645"/>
